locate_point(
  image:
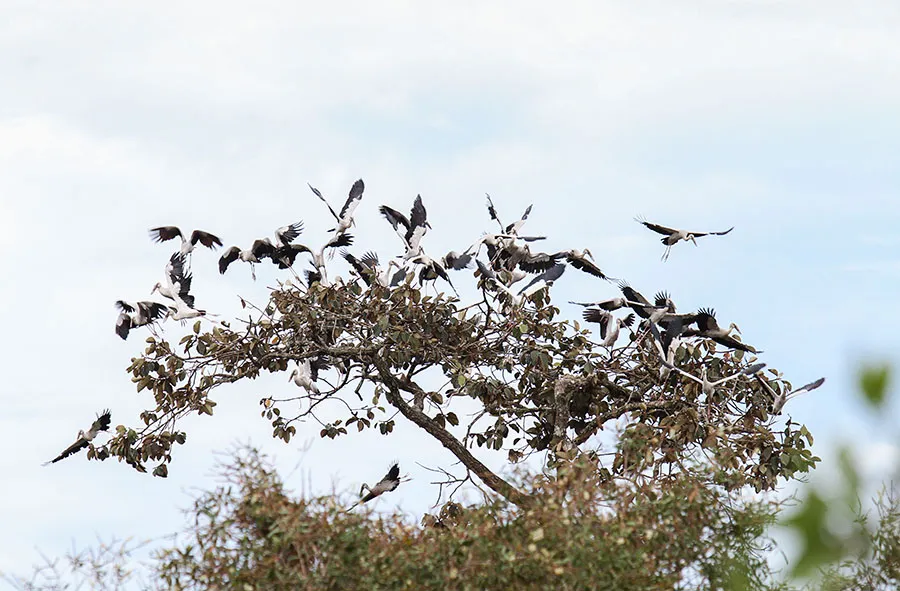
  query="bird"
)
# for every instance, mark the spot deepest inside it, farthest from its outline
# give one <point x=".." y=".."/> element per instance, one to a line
<point x="456" y="261"/>
<point x="610" y="304"/>
<point x="414" y="227"/>
<point x="431" y="269"/>
<point x="488" y="274"/>
<point x="708" y="327"/>
<point x="779" y="400"/>
<point x="260" y="249"/>
<point x="163" y="233"/>
<point x="636" y="301"/>
<point x="139" y="314"/>
<point x="182" y="311"/>
<point x="543" y="280"/>
<point x="178" y="283"/>
<point x="583" y="260"/>
<point x="390" y="482"/>
<point x="339" y="240"/>
<point x="307" y="372"/>
<point x="345" y="218"/>
<point x="367" y="268"/>
<point x="708" y="387"/>
<point x="85" y="437"/>
<point x="609" y="324"/>
<point x="672" y="236"/>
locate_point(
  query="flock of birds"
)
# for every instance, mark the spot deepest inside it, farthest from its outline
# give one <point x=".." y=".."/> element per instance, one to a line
<point x="511" y="258"/>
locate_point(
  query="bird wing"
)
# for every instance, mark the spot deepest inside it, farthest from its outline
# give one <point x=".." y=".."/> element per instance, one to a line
<point x="362" y="270"/>
<point x="600" y="317"/>
<point x="395" y="218"/>
<point x="661" y="298"/>
<point x="353" y="199"/>
<point x="809" y="387"/>
<point x="733" y="343"/>
<point x="206" y="239"/>
<point x="514" y="227"/>
<point x="417" y="220"/>
<point x="339" y="241"/>
<point x="163" y="233"/>
<point x="102" y="422"/>
<point x="312" y="276"/>
<point x="706" y="320"/>
<point x="124" y="306"/>
<point x="80" y="444"/>
<point x="540" y="261"/>
<point x="492" y="211"/>
<point x="123" y="325"/>
<point x="369" y="259"/>
<point x="458" y="262"/>
<point x="262" y="248"/>
<point x="698" y="234"/>
<point x="587" y="266"/>
<point x="319" y="195"/>
<point x="656" y="227"/>
<point x="317" y="364"/>
<point x="153" y="310"/>
<point x="287" y="234"/>
<point x="228" y="257"/>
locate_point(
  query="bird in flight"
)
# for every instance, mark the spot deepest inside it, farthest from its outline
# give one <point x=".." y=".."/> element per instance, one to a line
<point x="672" y="236"/>
<point x="85" y="437"/>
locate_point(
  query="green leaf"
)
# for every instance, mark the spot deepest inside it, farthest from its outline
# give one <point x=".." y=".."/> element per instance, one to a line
<point x="452" y="419"/>
<point x="874" y="384"/>
<point x="162" y="471"/>
<point x="197" y="327"/>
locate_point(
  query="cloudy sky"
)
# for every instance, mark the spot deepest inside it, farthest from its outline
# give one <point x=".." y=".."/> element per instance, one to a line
<point x="779" y="118"/>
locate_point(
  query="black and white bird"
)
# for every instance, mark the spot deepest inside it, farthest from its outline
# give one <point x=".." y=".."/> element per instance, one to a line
<point x="780" y="399"/>
<point x="182" y="311"/>
<point x="178" y="282"/>
<point x="306" y="373"/>
<point x="389" y="483"/>
<point x="339" y="240"/>
<point x="708" y="387"/>
<point x="412" y="229"/>
<point x="85" y="437"/>
<point x="164" y="233"/>
<point x="544" y="280"/>
<point x="456" y="261"/>
<point x="610" y="304"/>
<point x="609" y="324"/>
<point x="489" y="276"/>
<point x="260" y="250"/>
<point x="672" y="236"/>
<point x="138" y="314"/>
<point x="512" y="228"/>
<point x="345" y="217"/>
<point x="583" y="260"/>
<point x="708" y="327"/>
<point x="636" y="301"/>
<point x="367" y="267"/>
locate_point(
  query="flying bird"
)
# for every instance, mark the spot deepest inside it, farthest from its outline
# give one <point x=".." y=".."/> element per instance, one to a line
<point x="256" y="253"/>
<point x="779" y="400"/>
<point x="178" y="283"/>
<point x="367" y="268"/>
<point x="85" y="437"/>
<point x="390" y="482"/>
<point x="135" y="315"/>
<point x="672" y="236"/>
<point x="345" y="218"/>
<point x="411" y="229"/>
<point x="708" y="327"/>
<point x="287" y="234"/>
<point x="637" y="302"/>
<point x="609" y="324"/>
<point x="163" y="233"/>
<point x="708" y="387"/>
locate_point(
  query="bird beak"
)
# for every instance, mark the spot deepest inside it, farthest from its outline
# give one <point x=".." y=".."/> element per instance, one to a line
<point x="735" y="328"/>
<point x="588" y="254"/>
<point x="694" y="241"/>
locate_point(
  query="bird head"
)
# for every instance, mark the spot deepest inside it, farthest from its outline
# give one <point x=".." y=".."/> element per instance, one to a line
<point x="733" y="327"/>
<point x="294" y="374"/>
<point x="588" y="254"/>
<point x="156" y="287"/>
<point x="80" y="434"/>
<point x="364" y="488"/>
<point x="692" y="239"/>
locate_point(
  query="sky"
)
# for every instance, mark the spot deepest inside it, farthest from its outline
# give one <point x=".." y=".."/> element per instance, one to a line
<point x="778" y="118"/>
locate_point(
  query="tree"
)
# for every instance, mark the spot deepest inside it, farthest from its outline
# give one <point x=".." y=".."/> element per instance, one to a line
<point x="541" y="384"/>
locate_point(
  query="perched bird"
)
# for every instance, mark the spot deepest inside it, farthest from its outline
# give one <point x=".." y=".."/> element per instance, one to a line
<point x="708" y="387"/>
<point x="430" y="269"/>
<point x="163" y="233"/>
<point x="708" y="327"/>
<point x="390" y="482"/>
<point x="139" y="314"/>
<point x="609" y="324"/>
<point x="779" y="400"/>
<point x="672" y="236"/>
<point x="256" y="253"/>
<point x="307" y="372"/>
<point x="345" y="218"/>
<point x="178" y="283"/>
<point x="85" y="437"/>
<point x="367" y="268"/>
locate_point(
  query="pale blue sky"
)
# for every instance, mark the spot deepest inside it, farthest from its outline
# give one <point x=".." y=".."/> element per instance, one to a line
<point x="778" y="118"/>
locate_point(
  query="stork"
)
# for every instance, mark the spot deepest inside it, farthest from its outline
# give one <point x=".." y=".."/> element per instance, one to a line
<point x="307" y="372"/>
<point x="163" y="233"/>
<point x="708" y="327"/>
<point x="182" y="311"/>
<point x="256" y="253"/>
<point x="780" y="399"/>
<point x="708" y="387"/>
<point x="543" y="280"/>
<point x="609" y="324"/>
<point x="610" y="304"/>
<point x="139" y="314"/>
<point x="178" y="283"/>
<point x="345" y="218"/>
<point x="367" y="268"/>
<point x="431" y="269"/>
<point x="456" y="261"/>
<point x="390" y="482"/>
<point x="414" y="227"/>
<point x="488" y="274"/>
<point x="85" y="437"/>
<point x="636" y="301"/>
<point x="672" y="236"/>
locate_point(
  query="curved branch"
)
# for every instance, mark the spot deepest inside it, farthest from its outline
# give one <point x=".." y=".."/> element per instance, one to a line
<point x="494" y="482"/>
